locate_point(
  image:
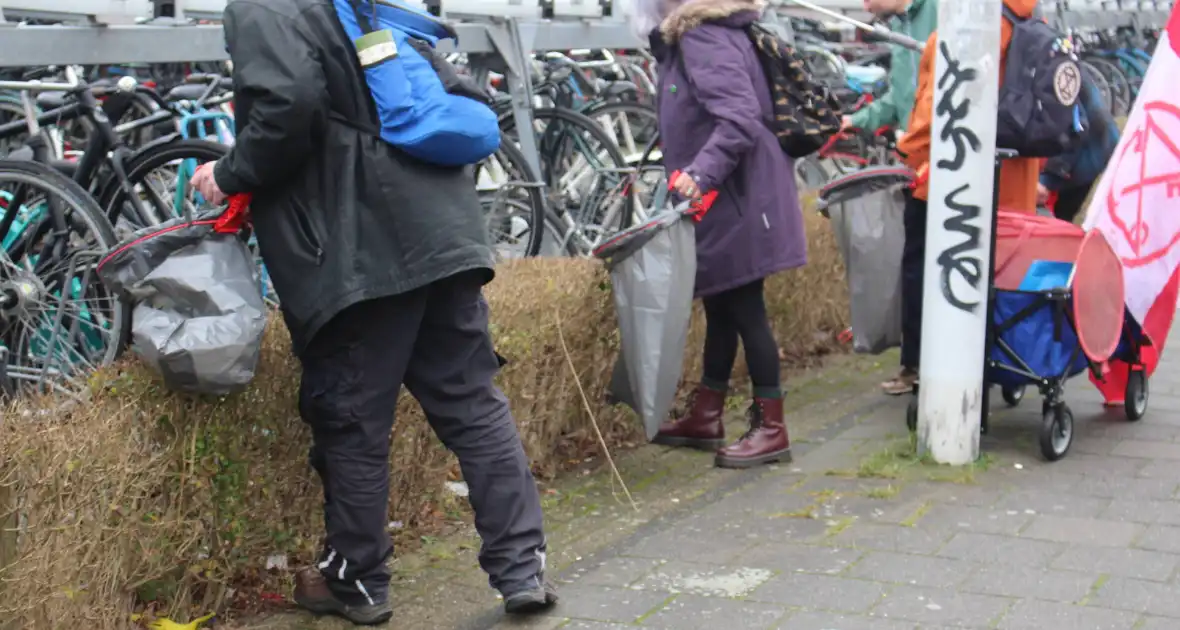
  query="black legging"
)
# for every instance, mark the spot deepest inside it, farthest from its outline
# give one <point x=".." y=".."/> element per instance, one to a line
<point x="735" y="313"/>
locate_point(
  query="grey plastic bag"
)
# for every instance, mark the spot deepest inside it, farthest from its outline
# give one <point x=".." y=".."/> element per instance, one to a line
<point x="653" y="270"/>
<point x="867" y="212"/>
<point x="199" y="315"/>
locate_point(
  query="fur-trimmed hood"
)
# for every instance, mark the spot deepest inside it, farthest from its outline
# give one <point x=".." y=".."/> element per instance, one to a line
<point x="693" y="13"/>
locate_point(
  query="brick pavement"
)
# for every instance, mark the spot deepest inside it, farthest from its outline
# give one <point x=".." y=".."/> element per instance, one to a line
<point x="852" y="536"/>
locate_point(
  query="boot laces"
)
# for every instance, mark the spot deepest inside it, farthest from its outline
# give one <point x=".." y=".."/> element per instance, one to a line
<point x="754" y="420"/>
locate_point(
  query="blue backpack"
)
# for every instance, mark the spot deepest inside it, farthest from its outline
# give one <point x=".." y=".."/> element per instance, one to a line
<point x="425" y="107"/>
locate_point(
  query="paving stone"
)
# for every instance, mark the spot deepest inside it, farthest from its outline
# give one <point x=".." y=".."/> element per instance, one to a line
<point x="1046" y="480"/>
<point x="957" y="518"/>
<point x="1138" y="595"/>
<point x="1004" y="550"/>
<point x="1082" y="531"/>
<point x="702" y="579"/>
<point x="793" y="558"/>
<point x="930" y="606"/>
<point x="1126" y="488"/>
<point x="579" y="624"/>
<point x="541" y="623"/>
<point x="615" y="572"/>
<point x="1161" y="469"/>
<point x="873" y="429"/>
<point x="1160" y="538"/>
<point x="1133" y="563"/>
<point x="689" y="612"/>
<point x="832" y="455"/>
<point x="1147" y="449"/>
<point x="820" y="592"/>
<point x="599" y="603"/>
<point x="1158" y="623"/>
<point x="1058" y="586"/>
<point x="1143" y="511"/>
<point x="890" y="538"/>
<point x="1030" y="614"/>
<point x="816" y="620"/>
<point x="886" y="566"/>
<point x="769" y="496"/>
<point x="974" y="496"/>
<point x="685" y="544"/>
<point x="712" y="525"/>
<point x="1089" y="465"/>
<point x="1053" y="504"/>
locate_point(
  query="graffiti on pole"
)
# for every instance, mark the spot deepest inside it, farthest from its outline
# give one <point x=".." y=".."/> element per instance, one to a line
<point x="962" y="259"/>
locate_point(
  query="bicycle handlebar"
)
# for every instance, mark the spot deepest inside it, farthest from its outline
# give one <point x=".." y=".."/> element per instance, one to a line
<point x="37" y="85"/>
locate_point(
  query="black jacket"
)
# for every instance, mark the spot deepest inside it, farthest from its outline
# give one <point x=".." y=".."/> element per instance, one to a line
<point x="341" y="216"/>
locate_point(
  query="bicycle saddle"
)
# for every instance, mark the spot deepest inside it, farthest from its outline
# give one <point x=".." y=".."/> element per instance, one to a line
<point x="619" y="88"/>
<point x="50" y="100"/>
<point x="189" y="92"/>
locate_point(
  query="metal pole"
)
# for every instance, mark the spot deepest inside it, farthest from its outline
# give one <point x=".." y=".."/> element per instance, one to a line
<point x="959" y="229"/>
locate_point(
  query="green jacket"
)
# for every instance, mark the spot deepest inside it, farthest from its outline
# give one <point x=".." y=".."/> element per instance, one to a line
<point x="918" y="21"/>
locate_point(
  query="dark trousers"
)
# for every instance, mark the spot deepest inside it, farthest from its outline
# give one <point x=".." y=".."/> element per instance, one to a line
<point x="913" y="261"/>
<point x="740" y="313"/>
<point x="1069" y="202"/>
<point x="435" y="340"/>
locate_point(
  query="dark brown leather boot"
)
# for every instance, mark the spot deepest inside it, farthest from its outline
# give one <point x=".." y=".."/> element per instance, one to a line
<point x="701" y="427"/>
<point x="764" y="443"/>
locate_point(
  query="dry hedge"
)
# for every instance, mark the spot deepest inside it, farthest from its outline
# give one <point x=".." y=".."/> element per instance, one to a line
<point x="150" y="500"/>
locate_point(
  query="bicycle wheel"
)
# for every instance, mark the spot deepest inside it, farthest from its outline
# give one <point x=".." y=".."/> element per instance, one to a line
<point x="513" y="202"/>
<point x="160" y="177"/>
<point x="631" y="126"/>
<point x="1105" y="91"/>
<point x="58" y="323"/>
<point x="586" y="176"/>
<point x="1121" y="94"/>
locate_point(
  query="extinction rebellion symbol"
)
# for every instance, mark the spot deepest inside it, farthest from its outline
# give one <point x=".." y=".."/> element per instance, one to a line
<point x="1067" y="83"/>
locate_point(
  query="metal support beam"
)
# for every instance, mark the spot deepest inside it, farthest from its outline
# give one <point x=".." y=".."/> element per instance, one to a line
<point x="93" y="37"/>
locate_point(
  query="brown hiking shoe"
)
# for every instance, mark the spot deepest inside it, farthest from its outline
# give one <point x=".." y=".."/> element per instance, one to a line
<point x="312" y="594"/>
<point x="901" y="384"/>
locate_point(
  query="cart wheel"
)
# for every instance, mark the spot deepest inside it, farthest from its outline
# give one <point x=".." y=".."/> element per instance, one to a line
<point x="1056" y="432"/>
<point x="911" y="415"/>
<point x="1013" y="395"/>
<point x="1136" y="395"/>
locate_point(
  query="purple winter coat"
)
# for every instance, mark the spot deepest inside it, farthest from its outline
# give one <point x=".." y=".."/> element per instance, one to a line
<point x="712" y="126"/>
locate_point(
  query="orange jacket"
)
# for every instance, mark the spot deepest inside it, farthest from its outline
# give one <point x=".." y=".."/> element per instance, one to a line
<point x="1018" y="177"/>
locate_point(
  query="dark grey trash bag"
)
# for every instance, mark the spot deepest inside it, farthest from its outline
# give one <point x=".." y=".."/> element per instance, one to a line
<point x="653" y="270"/>
<point x="199" y="314"/>
<point x="867" y="212"/>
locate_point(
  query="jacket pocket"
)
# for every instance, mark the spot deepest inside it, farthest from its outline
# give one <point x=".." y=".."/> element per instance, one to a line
<point x="306" y="233"/>
<point x="727" y="192"/>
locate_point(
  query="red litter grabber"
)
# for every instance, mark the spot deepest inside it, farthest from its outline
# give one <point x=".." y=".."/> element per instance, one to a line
<point x="699" y="207"/>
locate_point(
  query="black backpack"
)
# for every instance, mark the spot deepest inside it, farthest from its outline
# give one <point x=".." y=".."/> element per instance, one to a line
<point x="1038" y="104"/>
<point x="806" y="114"/>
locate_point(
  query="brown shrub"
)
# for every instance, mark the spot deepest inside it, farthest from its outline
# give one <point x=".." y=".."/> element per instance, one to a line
<point x="145" y="498"/>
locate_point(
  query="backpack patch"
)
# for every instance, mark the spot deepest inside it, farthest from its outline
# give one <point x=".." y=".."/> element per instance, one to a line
<point x="805" y="113"/>
<point x="1067" y="83"/>
<point x="1038" y="102"/>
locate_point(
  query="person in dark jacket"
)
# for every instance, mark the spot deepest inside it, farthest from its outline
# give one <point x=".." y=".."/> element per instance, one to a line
<point x="378" y="260"/>
<point x="1071" y="175"/>
<point x="713" y="101"/>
